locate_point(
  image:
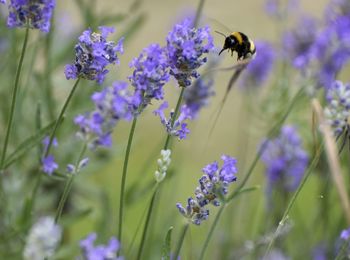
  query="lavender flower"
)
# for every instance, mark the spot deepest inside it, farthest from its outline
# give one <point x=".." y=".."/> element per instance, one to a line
<point x="33" y="13"/>
<point x="345" y="234"/>
<point x="337" y="110"/>
<point x="185" y="47"/>
<point x="48" y="163"/>
<point x="298" y="42"/>
<point x="2" y="1"/>
<point x="285" y="160"/>
<point x="93" y="54"/>
<point x="150" y="74"/>
<point x="196" y="96"/>
<point x="111" y="105"/>
<point x="179" y="127"/>
<point x="274" y="8"/>
<point x="259" y="68"/>
<point x="42" y="240"/>
<point x="163" y="165"/>
<point x="213" y="186"/>
<point x="100" y="252"/>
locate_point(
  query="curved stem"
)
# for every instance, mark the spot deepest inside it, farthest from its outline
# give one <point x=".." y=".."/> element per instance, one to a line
<point x="14" y="98"/>
<point x="181" y="240"/>
<point x="212" y="228"/>
<point x="145" y="229"/>
<point x="59" y="119"/>
<point x="125" y="170"/>
<point x="177" y="108"/>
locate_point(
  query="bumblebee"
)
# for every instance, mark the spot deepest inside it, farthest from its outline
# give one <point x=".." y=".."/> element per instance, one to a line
<point x="240" y="43"/>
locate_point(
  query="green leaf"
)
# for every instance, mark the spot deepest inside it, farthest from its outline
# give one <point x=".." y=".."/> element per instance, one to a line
<point x="28" y="144"/>
<point x="166" y="249"/>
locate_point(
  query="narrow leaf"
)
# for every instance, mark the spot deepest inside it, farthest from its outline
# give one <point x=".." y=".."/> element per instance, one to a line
<point x="166" y="249"/>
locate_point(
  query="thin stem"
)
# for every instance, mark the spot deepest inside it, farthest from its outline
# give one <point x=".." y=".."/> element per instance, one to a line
<point x="145" y="229"/>
<point x="212" y="228"/>
<point x="173" y="119"/>
<point x="198" y="15"/>
<point x="68" y="185"/>
<point x="181" y="240"/>
<point x="14" y="98"/>
<point x="59" y="119"/>
<point x="125" y="170"/>
<point x="293" y="199"/>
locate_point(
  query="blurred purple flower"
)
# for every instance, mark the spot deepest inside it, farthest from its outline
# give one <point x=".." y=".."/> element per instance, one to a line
<point x="92" y="54"/>
<point x="285" y="160"/>
<point x="212" y="187"/>
<point x="48" y="164"/>
<point x="337" y="110"/>
<point x="179" y="127"/>
<point x="150" y="74"/>
<point x="35" y="14"/>
<point x="274" y="8"/>
<point x="111" y="105"/>
<point x="2" y="1"/>
<point x="185" y="47"/>
<point x="345" y="234"/>
<point x="260" y="67"/>
<point x="100" y="252"/>
<point x="297" y="43"/>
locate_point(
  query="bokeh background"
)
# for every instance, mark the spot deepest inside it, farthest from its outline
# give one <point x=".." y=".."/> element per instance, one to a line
<point x="244" y="121"/>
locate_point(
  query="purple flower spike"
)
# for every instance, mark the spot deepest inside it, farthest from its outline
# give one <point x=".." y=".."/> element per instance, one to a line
<point x="179" y="128"/>
<point x="185" y="47"/>
<point x="92" y="54"/>
<point x="36" y="14"/>
<point x="2" y="1"/>
<point x="111" y="105"/>
<point x="150" y="74"/>
<point x="100" y="252"/>
<point x="213" y="186"/>
<point x="285" y="160"/>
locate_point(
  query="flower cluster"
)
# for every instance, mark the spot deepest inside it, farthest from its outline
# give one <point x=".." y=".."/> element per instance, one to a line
<point x="163" y="165"/>
<point x="345" y="234"/>
<point x="259" y="68"/>
<point x="33" y="13"/>
<point x="100" y="252"/>
<point x="150" y="74"/>
<point x="212" y="188"/>
<point x="48" y="163"/>
<point x="196" y="96"/>
<point x="111" y="105"/>
<point x="43" y="239"/>
<point x="175" y="126"/>
<point x="185" y="47"/>
<point x="285" y="160"/>
<point x="337" y="110"/>
<point x="92" y="54"/>
<point x="2" y="1"/>
<point x="297" y="43"/>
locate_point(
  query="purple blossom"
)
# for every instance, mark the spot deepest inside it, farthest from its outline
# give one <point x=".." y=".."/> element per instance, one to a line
<point x="212" y="188"/>
<point x="92" y="54"/>
<point x="179" y="127"/>
<point x="48" y="164"/>
<point x="337" y="110"/>
<point x="345" y="234"/>
<point x="260" y="67"/>
<point x="111" y="105"/>
<point x="185" y="47"/>
<point x="100" y="252"/>
<point x="150" y="74"/>
<point x="274" y="8"/>
<point x="285" y="160"/>
<point x="2" y="1"/>
<point x="297" y="43"/>
<point x="36" y="14"/>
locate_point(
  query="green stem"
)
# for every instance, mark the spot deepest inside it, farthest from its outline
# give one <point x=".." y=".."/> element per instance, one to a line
<point x="181" y="240"/>
<point x="14" y="98"/>
<point x="198" y="14"/>
<point x="148" y="218"/>
<point x="212" y="228"/>
<point x="173" y="119"/>
<point x="68" y="185"/>
<point x="292" y="201"/>
<point x="60" y="117"/>
<point x="125" y="170"/>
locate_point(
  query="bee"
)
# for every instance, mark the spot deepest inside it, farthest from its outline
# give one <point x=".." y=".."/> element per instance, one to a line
<point x="240" y="43"/>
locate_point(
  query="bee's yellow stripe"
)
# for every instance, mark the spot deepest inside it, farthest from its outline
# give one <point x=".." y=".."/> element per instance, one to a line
<point x="238" y="36"/>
